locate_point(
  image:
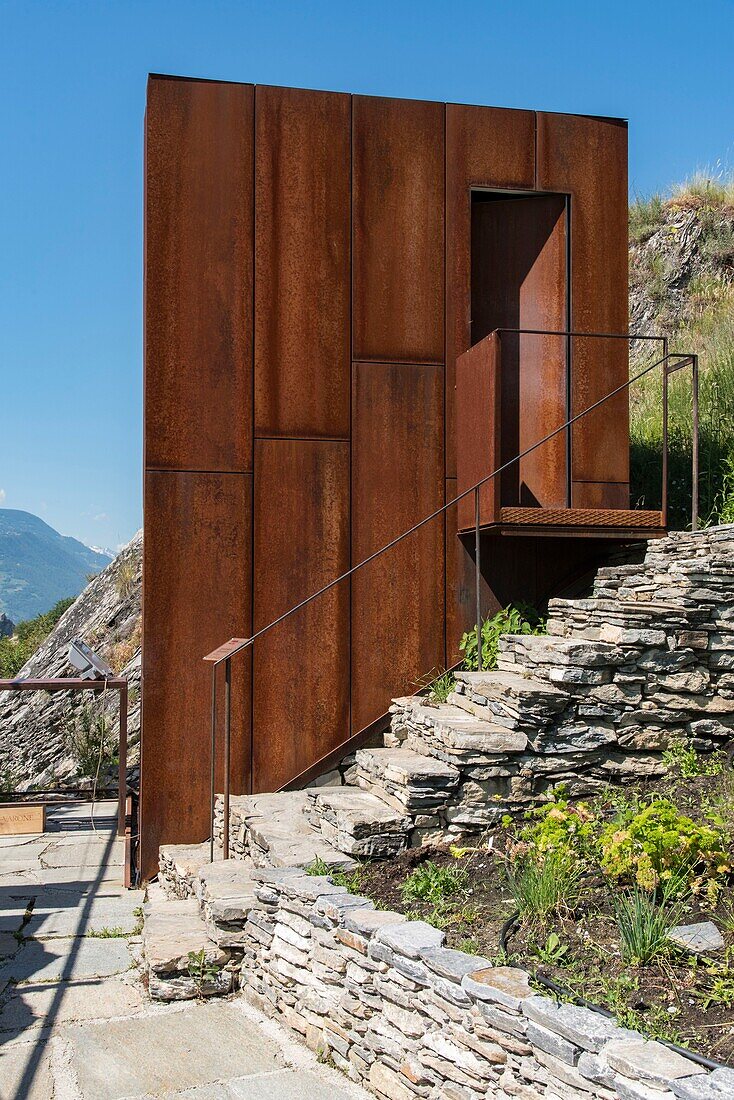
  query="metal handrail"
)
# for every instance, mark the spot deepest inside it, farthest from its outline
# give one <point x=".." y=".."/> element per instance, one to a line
<point x="224" y="653"/>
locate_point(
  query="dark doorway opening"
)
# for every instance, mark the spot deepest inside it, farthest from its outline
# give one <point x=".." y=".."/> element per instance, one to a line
<point x="519" y="279"/>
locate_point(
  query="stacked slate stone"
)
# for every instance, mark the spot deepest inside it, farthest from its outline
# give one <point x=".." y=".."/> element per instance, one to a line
<point x="385" y="1001"/>
<point x="178" y="867"/>
<point x="182" y="961"/>
<point x="676" y="612"/>
<point x="646" y="659"/>
<point x="419" y="786"/>
<point x="357" y="823"/>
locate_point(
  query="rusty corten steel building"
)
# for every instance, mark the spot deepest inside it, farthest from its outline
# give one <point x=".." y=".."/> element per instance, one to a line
<point x="315" y="265"/>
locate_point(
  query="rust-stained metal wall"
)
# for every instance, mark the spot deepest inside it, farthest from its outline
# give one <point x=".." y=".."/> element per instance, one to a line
<point x="308" y="291"/>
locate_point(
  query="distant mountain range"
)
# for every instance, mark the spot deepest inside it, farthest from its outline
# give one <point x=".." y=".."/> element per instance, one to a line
<point x="38" y="566"/>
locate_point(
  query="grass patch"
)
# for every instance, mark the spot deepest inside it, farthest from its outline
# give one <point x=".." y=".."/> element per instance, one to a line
<point x="645" y="217"/>
<point x="644" y="923"/>
<point x="543" y="883"/>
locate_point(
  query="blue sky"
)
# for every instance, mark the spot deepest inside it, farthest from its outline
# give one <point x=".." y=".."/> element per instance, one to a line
<point x="72" y="84"/>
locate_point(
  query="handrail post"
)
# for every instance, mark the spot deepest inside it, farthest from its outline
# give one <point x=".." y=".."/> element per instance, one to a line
<point x="227" y="746"/>
<point x="213" y="764"/>
<point x="694" y="443"/>
<point x="569" y="414"/>
<point x="478" y="578"/>
<point x="664" y="493"/>
<point x="122" y="763"/>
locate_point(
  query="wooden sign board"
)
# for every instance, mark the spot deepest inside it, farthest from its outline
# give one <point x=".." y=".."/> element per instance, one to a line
<point x="18" y="819"/>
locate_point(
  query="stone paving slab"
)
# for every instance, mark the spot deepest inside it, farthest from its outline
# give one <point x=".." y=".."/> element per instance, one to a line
<point x="22" y="852"/>
<point x="54" y="1004"/>
<point x="55" y="917"/>
<point x="19" y="841"/>
<point x="8" y="944"/>
<point x="81" y="879"/>
<point x="281" y="1085"/>
<point x="12" y="867"/>
<point x="154" y="1055"/>
<point x="18" y="1078"/>
<point x="12" y="915"/>
<point x="64" y="960"/>
<point x="87" y="854"/>
<point x="80" y="1025"/>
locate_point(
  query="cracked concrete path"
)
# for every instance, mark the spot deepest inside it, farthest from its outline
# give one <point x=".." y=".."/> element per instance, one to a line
<point x="75" y="1019"/>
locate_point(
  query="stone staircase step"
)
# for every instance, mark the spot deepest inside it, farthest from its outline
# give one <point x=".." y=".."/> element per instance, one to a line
<point x="560" y="660"/>
<point x="406" y="780"/>
<point x="458" y="732"/>
<point x="226" y="893"/>
<point x="357" y="822"/>
<point x="179" y="865"/>
<point x="512" y="699"/>
<point x="275" y="832"/>
<point x="182" y="960"/>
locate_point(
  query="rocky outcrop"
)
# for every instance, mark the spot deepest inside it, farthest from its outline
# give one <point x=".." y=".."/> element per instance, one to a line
<point x="7" y="628"/>
<point x="33" y="725"/>
<point x="681" y="264"/>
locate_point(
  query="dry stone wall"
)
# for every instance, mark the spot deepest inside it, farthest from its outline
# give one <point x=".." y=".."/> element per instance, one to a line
<point x="383" y="1000"/>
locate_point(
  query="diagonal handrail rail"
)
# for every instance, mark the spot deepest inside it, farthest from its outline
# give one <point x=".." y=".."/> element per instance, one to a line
<point x="224" y="653"/>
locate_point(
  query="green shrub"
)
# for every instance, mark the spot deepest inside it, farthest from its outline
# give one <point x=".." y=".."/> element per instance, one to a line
<point x="350" y="880"/>
<point x="681" y="757"/>
<point x="645" y="216"/>
<point x="202" y="971"/>
<point x="29" y="634"/>
<point x="438" y="685"/>
<point x="521" y="619"/>
<point x="8" y="781"/>
<point x="561" y="826"/>
<point x="654" y="843"/>
<point x="127" y="572"/>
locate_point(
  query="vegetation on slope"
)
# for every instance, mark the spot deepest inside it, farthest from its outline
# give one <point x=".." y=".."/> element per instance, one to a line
<point x="15" y="651"/>
<point x="682" y="285"/>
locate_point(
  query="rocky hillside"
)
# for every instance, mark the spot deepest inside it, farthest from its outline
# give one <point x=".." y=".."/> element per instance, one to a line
<point x="38" y="566"/>
<point x="35" y="727"/>
<point x="682" y="286"/>
<point x="682" y="260"/>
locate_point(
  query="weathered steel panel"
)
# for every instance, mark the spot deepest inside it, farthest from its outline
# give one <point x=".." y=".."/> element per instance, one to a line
<point x="302" y="263"/>
<point x="301" y="667"/>
<point x="479" y="403"/>
<point x="485" y="147"/>
<point x="587" y="157"/>
<point x="607" y="494"/>
<point x="398" y="207"/>
<point x="197" y="586"/>
<point x="519" y="281"/>
<point x="198" y="275"/>
<point x="460" y="581"/>
<point x="397" y="480"/>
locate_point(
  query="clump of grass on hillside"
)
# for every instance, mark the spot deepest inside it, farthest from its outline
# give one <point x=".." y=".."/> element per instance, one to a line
<point x="645" y="216"/>
<point x="708" y="185"/>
